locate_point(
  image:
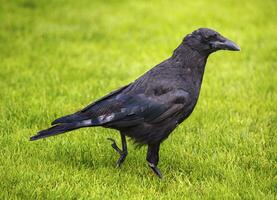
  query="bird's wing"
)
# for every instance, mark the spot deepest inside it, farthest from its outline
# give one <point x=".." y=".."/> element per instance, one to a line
<point x="122" y="110"/>
<point x="135" y="109"/>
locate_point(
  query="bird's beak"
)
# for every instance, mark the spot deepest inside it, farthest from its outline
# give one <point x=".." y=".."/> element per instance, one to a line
<point x="226" y="45"/>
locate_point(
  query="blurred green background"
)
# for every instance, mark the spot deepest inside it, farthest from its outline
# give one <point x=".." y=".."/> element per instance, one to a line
<point x="58" y="56"/>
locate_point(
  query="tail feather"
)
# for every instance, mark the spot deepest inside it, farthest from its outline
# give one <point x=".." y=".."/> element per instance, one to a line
<point x="68" y="119"/>
<point x="66" y="127"/>
<point x="55" y="130"/>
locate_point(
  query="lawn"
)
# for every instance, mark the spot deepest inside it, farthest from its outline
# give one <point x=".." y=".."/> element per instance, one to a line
<point x="58" y="56"/>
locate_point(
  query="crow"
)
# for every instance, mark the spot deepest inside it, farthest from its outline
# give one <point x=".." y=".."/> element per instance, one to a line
<point x="150" y="108"/>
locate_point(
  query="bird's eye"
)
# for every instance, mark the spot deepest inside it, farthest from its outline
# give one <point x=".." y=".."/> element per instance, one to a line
<point x="213" y="36"/>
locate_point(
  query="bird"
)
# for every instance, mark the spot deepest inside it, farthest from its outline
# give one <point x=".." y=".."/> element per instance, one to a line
<point x="148" y="109"/>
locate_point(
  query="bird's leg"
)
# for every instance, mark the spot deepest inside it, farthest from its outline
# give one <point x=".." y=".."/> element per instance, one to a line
<point x="123" y="153"/>
<point x="153" y="158"/>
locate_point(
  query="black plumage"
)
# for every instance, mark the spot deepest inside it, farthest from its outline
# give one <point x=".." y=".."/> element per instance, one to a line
<point x="151" y="107"/>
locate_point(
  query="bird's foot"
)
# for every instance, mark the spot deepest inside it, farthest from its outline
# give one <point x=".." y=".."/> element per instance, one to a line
<point x="121" y="159"/>
<point x="122" y="154"/>
<point x="114" y="145"/>
<point x="155" y="169"/>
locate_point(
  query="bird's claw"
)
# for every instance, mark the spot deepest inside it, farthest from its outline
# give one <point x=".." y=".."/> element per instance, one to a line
<point x="155" y="170"/>
<point x="114" y="145"/>
<point x="111" y="139"/>
<point x="122" y="154"/>
<point x="121" y="159"/>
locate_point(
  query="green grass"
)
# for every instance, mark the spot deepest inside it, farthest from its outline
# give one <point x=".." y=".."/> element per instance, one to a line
<point x="58" y="56"/>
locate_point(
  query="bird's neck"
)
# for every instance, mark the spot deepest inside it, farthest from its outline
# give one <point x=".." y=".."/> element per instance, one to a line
<point x="190" y="60"/>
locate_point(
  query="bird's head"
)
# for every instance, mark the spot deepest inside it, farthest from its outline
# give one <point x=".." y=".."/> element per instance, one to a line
<point x="208" y="41"/>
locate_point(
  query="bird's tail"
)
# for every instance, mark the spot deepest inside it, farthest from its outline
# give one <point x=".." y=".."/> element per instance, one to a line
<point x="59" y="129"/>
<point x="68" y="119"/>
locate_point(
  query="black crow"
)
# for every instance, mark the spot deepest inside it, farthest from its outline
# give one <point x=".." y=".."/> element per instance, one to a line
<point x="150" y="108"/>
